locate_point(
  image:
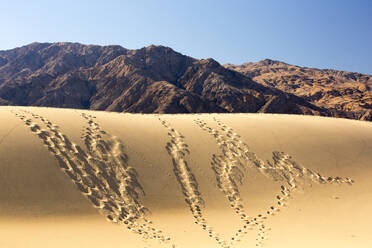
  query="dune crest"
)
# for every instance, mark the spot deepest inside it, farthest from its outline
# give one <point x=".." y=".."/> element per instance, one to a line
<point x="162" y="179"/>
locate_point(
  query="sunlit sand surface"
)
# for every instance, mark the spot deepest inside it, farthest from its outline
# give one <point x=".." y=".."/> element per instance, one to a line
<point x="76" y="178"/>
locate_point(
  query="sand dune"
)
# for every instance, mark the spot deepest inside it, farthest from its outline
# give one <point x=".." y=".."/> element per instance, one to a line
<point x="71" y="178"/>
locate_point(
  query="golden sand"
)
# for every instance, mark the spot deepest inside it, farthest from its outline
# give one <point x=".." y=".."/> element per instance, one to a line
<point x="76" y="178"/>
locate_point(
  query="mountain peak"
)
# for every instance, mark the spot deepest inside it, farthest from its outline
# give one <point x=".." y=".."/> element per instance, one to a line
<point x="153" y="47"/>
<point x="210" y="62"/>
<point x="269" y="62"/>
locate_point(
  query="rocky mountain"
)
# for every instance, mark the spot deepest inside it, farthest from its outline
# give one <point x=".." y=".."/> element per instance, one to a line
<point x="344" y="94"/>
<point x="153" y="79"/>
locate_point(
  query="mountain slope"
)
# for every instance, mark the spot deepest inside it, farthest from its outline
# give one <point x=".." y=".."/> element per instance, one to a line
<point x="153" y="79"/>
<point x="347" y="94"/>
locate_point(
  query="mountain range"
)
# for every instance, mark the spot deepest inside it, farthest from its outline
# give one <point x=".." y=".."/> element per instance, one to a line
<point x="157" y="79"/>
<point x="347" y="93"/>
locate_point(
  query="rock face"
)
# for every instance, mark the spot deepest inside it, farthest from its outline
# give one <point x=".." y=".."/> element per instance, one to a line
<point x="343" y="94"/>
<point x="154" y="79"/>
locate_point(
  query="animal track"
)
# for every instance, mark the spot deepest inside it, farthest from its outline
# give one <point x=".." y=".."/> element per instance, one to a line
<point x="102" y="173"/>
<point x="229" y="168"/>
<point x="178" y="149"/>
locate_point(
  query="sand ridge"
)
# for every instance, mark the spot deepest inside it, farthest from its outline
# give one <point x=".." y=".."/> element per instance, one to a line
<point x="102" y="170"/>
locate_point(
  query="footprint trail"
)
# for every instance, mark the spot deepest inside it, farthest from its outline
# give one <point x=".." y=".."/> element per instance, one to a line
<point x="102" y="174"/>
<point x="230" y="165"/>
<point x="178" y="149"/>
<point x="229" y="170"/>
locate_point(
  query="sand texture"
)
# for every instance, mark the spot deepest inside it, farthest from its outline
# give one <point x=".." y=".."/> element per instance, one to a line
<point x="78" y="178"/>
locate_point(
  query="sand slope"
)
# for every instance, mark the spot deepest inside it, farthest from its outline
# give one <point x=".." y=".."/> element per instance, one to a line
<point x="71" y="178"/>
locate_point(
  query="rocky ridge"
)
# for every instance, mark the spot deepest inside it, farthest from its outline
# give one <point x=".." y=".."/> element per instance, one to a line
<point x="153" y="79"/>
<point x="344" y="94"/>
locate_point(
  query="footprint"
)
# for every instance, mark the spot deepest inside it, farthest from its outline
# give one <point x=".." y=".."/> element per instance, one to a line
<point x="102" y="174"/>
<point x="177" y="150"/>
<point x="229" y="168"/>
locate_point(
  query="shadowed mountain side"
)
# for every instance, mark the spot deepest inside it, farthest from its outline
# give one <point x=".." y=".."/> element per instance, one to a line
<point x="154" y="79"/>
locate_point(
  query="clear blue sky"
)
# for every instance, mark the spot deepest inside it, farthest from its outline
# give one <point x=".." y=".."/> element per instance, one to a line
<point x="314" y="33"/>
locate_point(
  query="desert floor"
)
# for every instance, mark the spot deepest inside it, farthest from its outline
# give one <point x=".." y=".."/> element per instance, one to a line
<point x="75" y="178"/>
